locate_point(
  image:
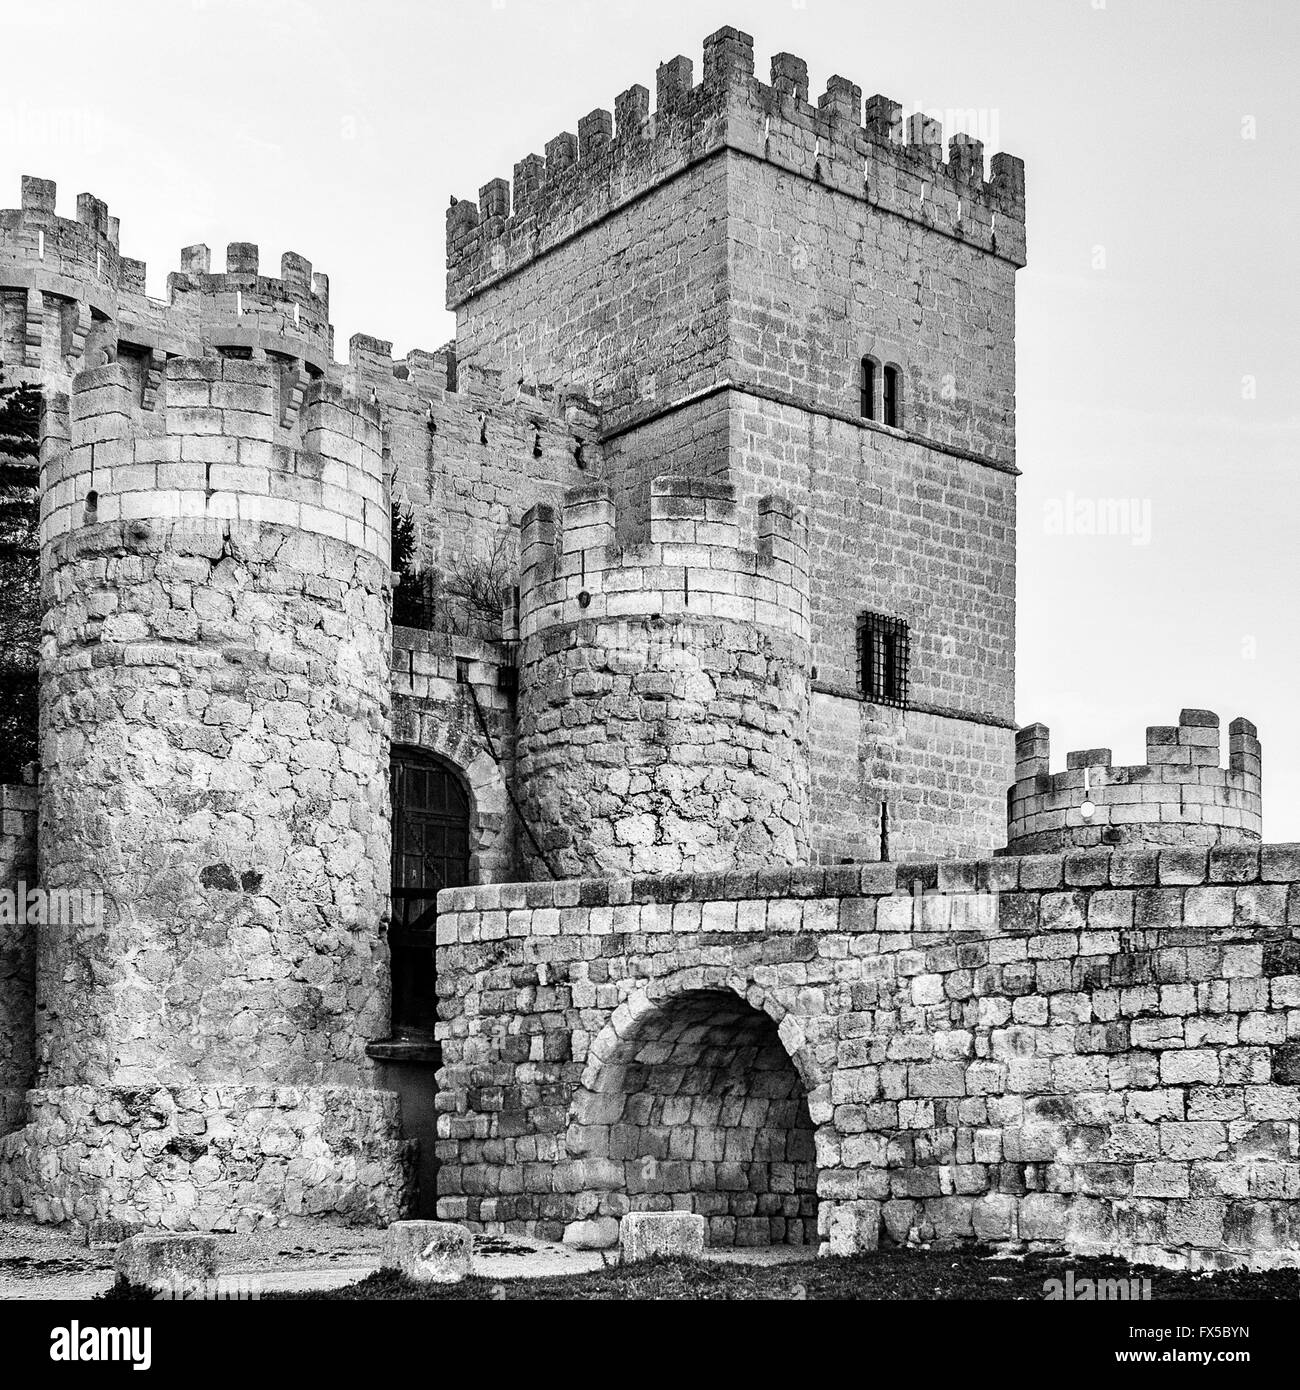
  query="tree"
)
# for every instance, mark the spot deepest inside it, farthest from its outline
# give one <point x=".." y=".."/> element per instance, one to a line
<point x="20" y="616"/>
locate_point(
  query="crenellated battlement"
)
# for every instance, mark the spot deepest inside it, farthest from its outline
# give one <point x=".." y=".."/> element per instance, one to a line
<point x="691" y="566"/>
<point x="67" y="275"/>
<point x="216" y="446"/>
<point x="84" y="248"/>
<point x="1180" y="795"/>
<point x="871" y="153"/>
<point x="241" y="308"/>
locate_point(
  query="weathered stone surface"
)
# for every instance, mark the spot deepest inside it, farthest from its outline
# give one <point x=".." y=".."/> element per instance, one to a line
<point x="235" y="1157"/>
<point x="108" y="1235"/>
<point x="215" y="761"/>
<point x="597" y="1233"/>
<point x="162" y="1262"/>
<point x="671" y="1234"/>
<point x="1179" y="797"/>
<point x="430" y="1252"/>
<point x="1071" y="1080"/>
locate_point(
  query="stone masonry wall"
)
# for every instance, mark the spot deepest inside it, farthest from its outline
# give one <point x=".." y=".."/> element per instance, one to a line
<point x="1180" y="795"/>
<point x="664" y="687"/>
<point x="469" y="462"/>
<point x="215" y="701"/>
<point x="1093" y="1051"/>
<point x="900" y="529"/>
<point x="844" y="233"/>
<point x="17" y="954"/>
<point x="707" y="146"/>
<point x="437" y="678"/>
<point x="627" y="280"/>
<point x="933" y="774"/>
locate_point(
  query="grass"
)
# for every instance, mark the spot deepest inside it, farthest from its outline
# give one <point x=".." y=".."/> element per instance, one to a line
<point x="971" y="1274"/>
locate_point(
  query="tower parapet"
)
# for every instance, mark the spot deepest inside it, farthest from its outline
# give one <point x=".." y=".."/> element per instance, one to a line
<point x="242" y="310"/>
<point x="870" y="152"/>
<point x="66" y="273"/>
<point x="664" y="687"/>
<point x="216" y="447"/>
<point x="1180" y="795"/>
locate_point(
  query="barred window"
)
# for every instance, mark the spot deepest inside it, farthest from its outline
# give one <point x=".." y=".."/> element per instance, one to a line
<point x="883" y="650"/>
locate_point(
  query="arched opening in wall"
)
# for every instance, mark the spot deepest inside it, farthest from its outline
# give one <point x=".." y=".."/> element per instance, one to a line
<point x="703" y="1110"/>
<point x="892" y="402"/>
<point x="431" y="820"/>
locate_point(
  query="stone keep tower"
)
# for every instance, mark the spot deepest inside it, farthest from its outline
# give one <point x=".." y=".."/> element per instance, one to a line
<point x="214" y="702"/>
<point x="663" y="708"/>
<point x="806" y="300"/>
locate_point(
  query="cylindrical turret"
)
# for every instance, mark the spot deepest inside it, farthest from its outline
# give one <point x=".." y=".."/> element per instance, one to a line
<point x="214" y="701"/>
<point x="1179" y="796"/>
<point x="664" y="690"/>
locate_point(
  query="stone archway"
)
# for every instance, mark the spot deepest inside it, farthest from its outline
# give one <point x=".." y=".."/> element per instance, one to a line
<point x="696" y="1099"/>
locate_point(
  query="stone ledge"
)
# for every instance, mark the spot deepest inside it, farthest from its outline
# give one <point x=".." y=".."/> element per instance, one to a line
<point x="1183" y="867"/>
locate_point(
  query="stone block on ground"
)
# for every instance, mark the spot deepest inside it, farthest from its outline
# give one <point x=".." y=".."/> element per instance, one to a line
<point x="165" y="1262"/>
<point x="430" y="1252"/>
<point x="599" y="1233"/>
<point x="645" y="1234"/>
<point x="108" y="1235"/>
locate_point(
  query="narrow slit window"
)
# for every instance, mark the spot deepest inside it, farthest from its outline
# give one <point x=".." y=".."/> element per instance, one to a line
<point x="868" y="388"/>
<point x="891" y="396"/>
<point x="884" y="649"/>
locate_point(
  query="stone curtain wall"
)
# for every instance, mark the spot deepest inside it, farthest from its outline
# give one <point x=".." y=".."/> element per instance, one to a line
<point x="1103" y="1056"/>
<point x="215" y="703"/>
<point x="469" y="462"/>
<point x="17" y="954"/>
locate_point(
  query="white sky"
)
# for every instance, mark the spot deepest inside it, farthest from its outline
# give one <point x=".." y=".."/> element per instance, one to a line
<point x="1166" y="379"/>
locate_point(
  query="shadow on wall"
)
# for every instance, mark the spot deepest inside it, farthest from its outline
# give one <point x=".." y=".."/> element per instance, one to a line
<point x="699" y="1108"/>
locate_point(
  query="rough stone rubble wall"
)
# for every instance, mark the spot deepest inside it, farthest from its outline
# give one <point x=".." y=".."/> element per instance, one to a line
<point x="17" y="954"/>
<point x="215" y="673"/>
<point x="1105" y="1054"/>
<point x="664" y="687"/>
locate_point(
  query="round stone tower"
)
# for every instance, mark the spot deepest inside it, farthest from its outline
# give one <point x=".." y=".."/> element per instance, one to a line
<point x="1179" y="796"/>
<point x="664" y="688"/>
<point x="214" y="711"/>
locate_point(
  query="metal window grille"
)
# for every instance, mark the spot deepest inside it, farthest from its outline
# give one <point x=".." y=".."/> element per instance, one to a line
<point x="430" y="851"/>
<point x="884" y="649"/>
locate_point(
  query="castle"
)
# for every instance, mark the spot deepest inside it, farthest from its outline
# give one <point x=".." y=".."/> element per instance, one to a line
<point x="686" y="733"/>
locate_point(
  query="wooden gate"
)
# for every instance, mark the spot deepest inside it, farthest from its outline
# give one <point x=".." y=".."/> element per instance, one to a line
<point x="430" y="852"/>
